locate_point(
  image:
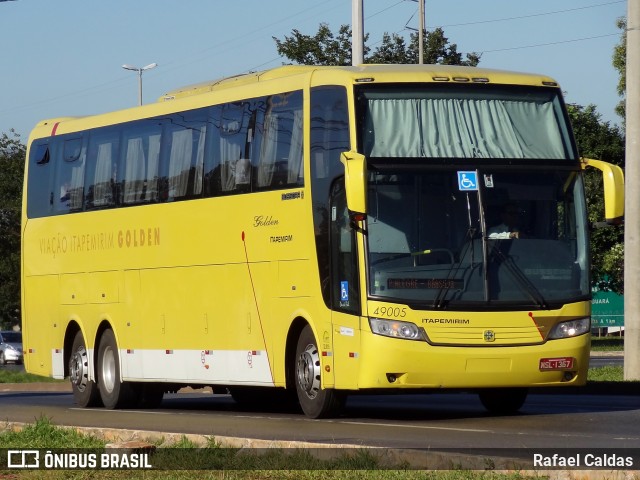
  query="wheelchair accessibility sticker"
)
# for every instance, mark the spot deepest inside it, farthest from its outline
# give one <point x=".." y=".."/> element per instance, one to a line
<point x="467" y="181"/>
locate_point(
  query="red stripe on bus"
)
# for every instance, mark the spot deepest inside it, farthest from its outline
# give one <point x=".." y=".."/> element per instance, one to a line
<point x="55" y="127"/>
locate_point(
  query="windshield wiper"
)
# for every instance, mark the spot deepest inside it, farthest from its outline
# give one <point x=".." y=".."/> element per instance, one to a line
<point x="439" y="300"/>
<point x="521" y="279"/>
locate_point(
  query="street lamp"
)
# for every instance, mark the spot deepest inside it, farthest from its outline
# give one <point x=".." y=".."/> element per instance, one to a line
<point x="139" y="70"/>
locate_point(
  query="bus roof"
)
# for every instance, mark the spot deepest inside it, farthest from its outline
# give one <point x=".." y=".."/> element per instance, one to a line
<point x="306" y="75"/>
<point x="362" y="73"/>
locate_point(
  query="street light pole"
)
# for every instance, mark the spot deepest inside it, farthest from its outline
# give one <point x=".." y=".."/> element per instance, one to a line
<point x="139" y="70"/>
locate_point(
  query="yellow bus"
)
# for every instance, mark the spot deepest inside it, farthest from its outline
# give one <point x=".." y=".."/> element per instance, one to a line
<point x="309" y="232"/>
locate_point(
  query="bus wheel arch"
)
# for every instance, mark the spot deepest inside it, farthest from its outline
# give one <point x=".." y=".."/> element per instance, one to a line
<point x="295" y="330"/>
<point x="78" y="367"/>
<point x="113" y="392"/>
<point x="315" y="401"/>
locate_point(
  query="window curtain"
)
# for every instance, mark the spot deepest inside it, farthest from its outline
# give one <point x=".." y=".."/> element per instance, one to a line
<point x="465" y="128"/>
<point x="268" y="150"/>
<point x="230" y="152"/>
<point x="103" y="193"/>
<point x="134" y="171"/>
<point x="76" y="188"/>
<point x="197" y="185"/>
<point x="295" y="166"/>
<point x="153" y="167"/>
<point x="180" y="162"/>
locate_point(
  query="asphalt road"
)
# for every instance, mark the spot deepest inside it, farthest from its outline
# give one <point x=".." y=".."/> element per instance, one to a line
<point x="434" y="421"/>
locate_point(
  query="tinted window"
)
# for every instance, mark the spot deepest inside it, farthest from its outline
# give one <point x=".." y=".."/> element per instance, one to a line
<point x="40" y="167"/>
<point x="185" y="147"/>
<point x="69" y="185"/>
<point x="102" y="189"/>
<point x="329" y="137"/>
<point x="279" y="162"/>
<point x="234" y="147"/>
<point x="140" y="170"/>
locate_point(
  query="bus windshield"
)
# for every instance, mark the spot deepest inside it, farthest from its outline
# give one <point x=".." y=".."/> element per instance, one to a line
<point x="518" y="240"/>
<point x="464" y="121"/>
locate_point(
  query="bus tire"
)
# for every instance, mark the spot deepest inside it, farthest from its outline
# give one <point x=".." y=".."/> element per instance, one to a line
<point x="503" y="401"/>
<point x="315" y="401"/>
<point x="85" y="391"/>
<point x="113" y="392"/>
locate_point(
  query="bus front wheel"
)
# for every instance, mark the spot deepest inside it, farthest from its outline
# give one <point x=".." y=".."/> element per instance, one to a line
<point x="315" y="401"/>
<point x="114" y="393"/>
<point x="85" y="391"/>
<point x="503" y="401"/>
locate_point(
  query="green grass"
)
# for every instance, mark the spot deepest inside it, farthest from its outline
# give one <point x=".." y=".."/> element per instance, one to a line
<point x="608" y="373"/>
<point x="12" y="376"/>
<point x="239" y="463"/>
<point x="607" y="344"/>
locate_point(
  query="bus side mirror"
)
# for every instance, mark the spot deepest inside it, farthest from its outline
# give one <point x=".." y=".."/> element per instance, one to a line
<point x="613" y="179"/>
<point x="355" y="181"/>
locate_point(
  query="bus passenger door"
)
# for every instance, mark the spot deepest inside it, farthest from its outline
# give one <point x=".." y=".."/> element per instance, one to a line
<point x="345" y="292"/>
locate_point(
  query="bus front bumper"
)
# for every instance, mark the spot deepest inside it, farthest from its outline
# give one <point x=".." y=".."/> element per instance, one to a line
<point x="396" y="363"/>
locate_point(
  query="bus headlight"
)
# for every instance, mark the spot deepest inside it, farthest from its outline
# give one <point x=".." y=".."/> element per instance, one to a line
<point x="396" y="329"/>
<point x="572" y="328"/>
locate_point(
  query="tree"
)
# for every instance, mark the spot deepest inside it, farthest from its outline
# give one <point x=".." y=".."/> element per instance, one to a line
<point x="600" y="140"/>
<point x="324" y="48"/>
<point x="12" y="161"/>
<point x="620" y="64"/>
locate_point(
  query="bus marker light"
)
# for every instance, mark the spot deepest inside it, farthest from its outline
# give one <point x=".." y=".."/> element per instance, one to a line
<point x="560" y="363"/>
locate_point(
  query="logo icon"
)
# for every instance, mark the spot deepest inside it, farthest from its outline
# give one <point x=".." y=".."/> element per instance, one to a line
<point x="23" y="459"/>
<point x="344" y="291"/>
<point x="467" y="181"/>
<point x="489" y="336"/>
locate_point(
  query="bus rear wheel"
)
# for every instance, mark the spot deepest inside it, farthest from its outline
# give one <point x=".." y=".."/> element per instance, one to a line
<point x="114" y="393"/>
<point x="503" y="401"/>
<point x="85" y="391"/>
<point x="315" y="401"/>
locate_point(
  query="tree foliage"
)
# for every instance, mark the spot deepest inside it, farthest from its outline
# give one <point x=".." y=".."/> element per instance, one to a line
<point x="325" y="48"/>
<point x="620" y="64"/>
<point x="600" y="140"/>
<point x="12" y="160"/>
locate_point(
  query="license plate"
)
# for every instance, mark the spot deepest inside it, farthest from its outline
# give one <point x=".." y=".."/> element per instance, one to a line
<point x="562" y="363"/>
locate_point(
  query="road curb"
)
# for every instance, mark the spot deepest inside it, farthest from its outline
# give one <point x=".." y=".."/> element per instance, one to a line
<point x="388" y="458"/>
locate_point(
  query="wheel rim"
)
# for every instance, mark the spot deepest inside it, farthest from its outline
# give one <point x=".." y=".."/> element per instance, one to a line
<point x="108" y="376"/>
<point x="78" y="371"/>
<point x="308" y="371"/>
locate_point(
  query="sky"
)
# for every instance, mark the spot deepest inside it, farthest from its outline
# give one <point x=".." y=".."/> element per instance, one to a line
<point x="65" y="57"/>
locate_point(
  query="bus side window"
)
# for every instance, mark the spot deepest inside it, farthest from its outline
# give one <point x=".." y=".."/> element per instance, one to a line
<point x="102" y="190"/>
<point x="329" y="136"/>
<point x="186" y="137"/>
<point x="141" y="163"/>
<point x="69" y="186"/>
<point x="212" y="167"/>
<point x="279" y="164"/>
<point x="235" y="166"/>
<point x="344" y="259"/>
<point x="40" y="170"/>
